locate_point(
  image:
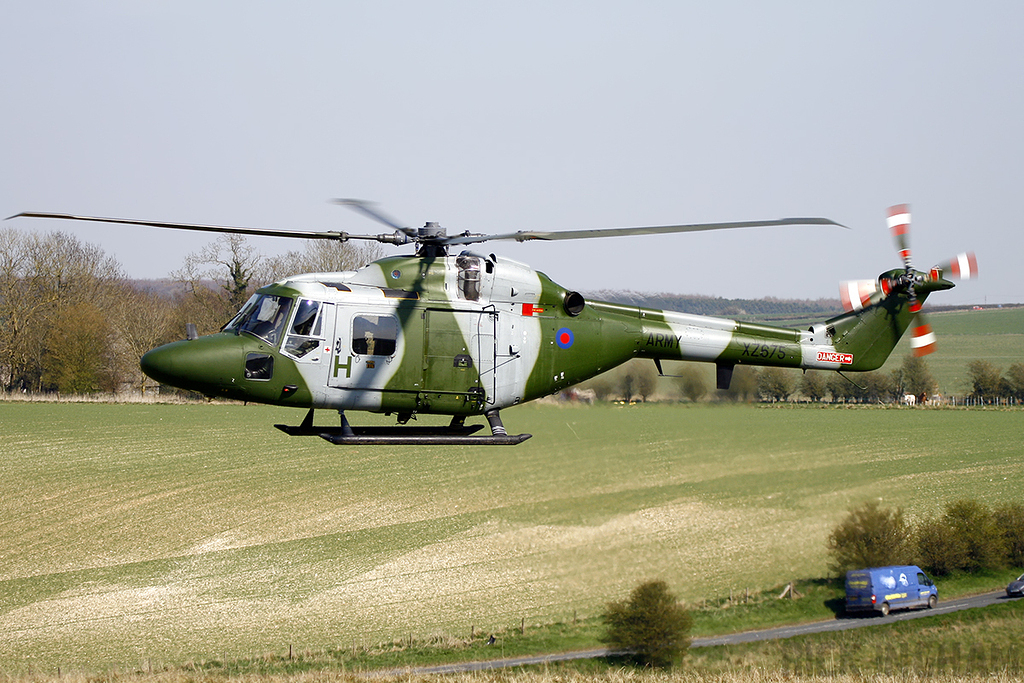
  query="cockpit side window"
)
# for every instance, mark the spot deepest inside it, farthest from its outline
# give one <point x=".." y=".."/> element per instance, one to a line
<point x="305" y="334"/>
<point x="374" y="335"/>
<point x="469" y="276"/>
<point x="264" y="317"/>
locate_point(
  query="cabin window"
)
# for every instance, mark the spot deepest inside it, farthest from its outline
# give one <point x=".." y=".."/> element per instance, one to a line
<point x="469" y="276"/>
<point x="259" y="366"/>
<point x="304" y="335"/>
<point x="263" y="316"/>
<point x="374" y="335"/>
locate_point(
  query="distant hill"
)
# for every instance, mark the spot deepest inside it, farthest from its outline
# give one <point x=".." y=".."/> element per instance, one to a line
<point x="752" y="309"/>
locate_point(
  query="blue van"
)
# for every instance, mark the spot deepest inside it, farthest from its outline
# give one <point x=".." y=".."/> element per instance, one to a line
<point x="882" y="589"/>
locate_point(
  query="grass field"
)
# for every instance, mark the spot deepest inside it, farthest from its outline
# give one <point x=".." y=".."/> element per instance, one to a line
<point x="167" y="532"/>
<point x="995" y="335"/>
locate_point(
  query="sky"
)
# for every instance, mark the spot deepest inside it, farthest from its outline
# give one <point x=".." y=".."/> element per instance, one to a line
<point x="497" y="117"/>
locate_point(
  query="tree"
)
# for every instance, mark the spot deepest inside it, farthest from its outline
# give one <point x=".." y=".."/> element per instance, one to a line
<point x="43" y="278"/>
<point x="966" y="538"/>
<point x="646" y="379"/>
<point x="976" y="525"/>
<point x="984" y="378"/>
<point x="841" y="388"/>
<point x="651" y="625"/>
<point x="143" y="320"/>
<point x="814" y="385"/>
<point x="602" y="386"/>
<point x="1015" y="381"/>
<point x="638" y="379"/>
<point x="743" y="386"/>
<point x="877" y="387"/>
<point x="775" y="384"/>
<point x="1010" y="521"/>
<point x="319" y="256"/>
<point x="228" y="261"/>
<point x="79" y="352"/>
<point x="939" y="550"/>
<point x="691" y="382"/>
<point x="917" y="379"/>
<point x="869" y="536"/>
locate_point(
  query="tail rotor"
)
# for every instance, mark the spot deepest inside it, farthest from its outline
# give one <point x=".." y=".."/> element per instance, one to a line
<point x="859" y="294"/>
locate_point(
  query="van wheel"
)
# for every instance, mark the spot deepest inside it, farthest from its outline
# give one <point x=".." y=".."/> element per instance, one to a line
<point x="885" y="609"/>
<point x="932" y="601"/>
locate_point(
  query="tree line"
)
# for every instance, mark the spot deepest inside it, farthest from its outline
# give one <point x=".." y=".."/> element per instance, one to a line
<point x="638" y="381"/>
<point x="72" y="322"/>
<point x="967" y="537"/>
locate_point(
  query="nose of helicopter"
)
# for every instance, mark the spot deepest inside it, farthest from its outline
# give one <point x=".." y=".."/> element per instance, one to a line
<point x="206" y="364"/>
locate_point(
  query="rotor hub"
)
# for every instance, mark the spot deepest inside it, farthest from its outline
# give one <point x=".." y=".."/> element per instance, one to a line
<point x="432" y="230"/>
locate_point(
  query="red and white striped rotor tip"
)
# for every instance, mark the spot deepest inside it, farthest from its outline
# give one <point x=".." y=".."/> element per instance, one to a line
<point x="899" y="226"/>
<point x="964" y="267"/>
<point x="857" y="294"/>
<point x="922" y="340"/>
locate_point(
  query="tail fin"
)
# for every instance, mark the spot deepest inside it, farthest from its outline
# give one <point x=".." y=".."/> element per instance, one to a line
<point x="870" y="333"/>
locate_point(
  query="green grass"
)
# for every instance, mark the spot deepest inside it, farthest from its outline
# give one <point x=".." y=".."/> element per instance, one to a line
<point x="167" y="533"/>
<point x="995" y="335"/>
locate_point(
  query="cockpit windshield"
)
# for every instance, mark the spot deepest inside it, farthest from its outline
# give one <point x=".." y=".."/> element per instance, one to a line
<point x="263" y="316"/>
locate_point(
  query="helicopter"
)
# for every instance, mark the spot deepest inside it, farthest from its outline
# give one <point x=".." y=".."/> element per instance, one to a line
<point x="468" y="334"/>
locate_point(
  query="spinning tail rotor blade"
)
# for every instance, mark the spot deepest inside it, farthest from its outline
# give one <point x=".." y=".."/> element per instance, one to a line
<point x="899" y="225"/>
<point x="858" y="294"/>
<point x="964" y="267"/>
<point x="922" y="339"/>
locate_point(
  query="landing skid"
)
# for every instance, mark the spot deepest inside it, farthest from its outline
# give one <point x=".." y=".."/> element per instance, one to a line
<point x="455" y="434"/>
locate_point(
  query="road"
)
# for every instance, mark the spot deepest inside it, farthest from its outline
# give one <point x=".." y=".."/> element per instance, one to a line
<point x="838" y="624"/>
<point x="847" y="622"/>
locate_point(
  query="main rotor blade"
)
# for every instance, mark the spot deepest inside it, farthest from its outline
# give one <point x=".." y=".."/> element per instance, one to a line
<point x="529" y="235"/>
<point x="368" y="209"/>
<point x="263" y="232"/>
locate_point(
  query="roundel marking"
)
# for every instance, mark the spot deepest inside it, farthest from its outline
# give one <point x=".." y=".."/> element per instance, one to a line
<point x="395" y="274"/>
<point x="564" y="338"/>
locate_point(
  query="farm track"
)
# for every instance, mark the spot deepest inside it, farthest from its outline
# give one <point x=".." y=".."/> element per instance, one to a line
<point x="838" y="624"/>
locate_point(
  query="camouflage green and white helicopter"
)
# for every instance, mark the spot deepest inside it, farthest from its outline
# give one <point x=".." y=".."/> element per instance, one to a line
<point x="470" y="334"/>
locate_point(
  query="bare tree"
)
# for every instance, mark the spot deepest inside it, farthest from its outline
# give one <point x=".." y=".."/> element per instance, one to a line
<point x="775" y="384"/>
<point x="639" y="378"/>
<point x="143" y="320"/>
<point x="44" y="280"/>
<point x="319" y="256"/>
<point x="691" y="382"/>
<point x="218" y="279"/>
<point x="985" y="379"/>
<point x="814" y="385"/>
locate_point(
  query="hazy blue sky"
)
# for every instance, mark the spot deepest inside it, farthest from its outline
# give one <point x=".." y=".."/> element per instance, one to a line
<point x="496" y="117"/>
